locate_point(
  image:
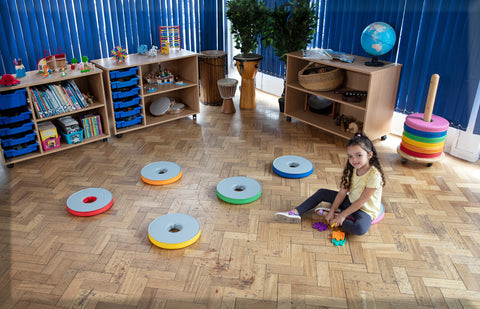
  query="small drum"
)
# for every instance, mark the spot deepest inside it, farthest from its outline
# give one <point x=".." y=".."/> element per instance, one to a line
<point x="227" y="88"/>
<point x="212" y="66"/>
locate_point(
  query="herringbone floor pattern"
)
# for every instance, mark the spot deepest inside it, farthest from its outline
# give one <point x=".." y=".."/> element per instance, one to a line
<point x="424" y="254"/>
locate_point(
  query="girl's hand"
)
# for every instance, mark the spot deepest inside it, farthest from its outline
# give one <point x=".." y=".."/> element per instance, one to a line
<point x="329" y="217"/>
<point x="338" y="220"/>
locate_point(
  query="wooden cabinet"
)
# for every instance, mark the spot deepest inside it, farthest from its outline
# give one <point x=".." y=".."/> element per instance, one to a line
<point x="182" y="64"/>
<point x="375" y="110"/>
<point x="19" y="144"/>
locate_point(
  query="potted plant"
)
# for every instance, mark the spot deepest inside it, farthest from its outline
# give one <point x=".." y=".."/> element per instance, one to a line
<point x="248" y="19"/>
<point x="290" y="28"/>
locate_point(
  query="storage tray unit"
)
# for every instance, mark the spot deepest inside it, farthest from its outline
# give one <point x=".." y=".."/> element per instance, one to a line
<point x="16" y="128"/>
<point x="124" y="99"/>
<point x="125" y="93"/>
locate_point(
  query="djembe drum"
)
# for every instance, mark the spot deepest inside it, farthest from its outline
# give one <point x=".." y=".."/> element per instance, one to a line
<point x="212" y="68"/>
<point x="227" y="88"/>
<point x="247" y="66"/>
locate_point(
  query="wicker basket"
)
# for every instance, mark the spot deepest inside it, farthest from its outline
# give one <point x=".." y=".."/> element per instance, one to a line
<point x="327" y="78"/>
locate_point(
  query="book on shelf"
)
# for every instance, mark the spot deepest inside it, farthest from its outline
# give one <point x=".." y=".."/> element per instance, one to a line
<point x="92" y="125"/>
<point x="56" y="99"/>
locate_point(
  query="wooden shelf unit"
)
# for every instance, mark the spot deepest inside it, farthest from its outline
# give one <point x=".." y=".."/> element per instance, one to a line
<point x="182" y="63"/>
<point x="375" y="110"/>
<point x="89" y="82"/>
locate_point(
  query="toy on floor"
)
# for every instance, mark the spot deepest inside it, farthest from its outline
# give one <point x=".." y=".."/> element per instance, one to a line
<point x="338" y="238"/>
<point x="320" y="226"/>
<point x="292" y="167"/>
<point x="424" y="134"/>
<point x="174" y="231"/>
<point x="89" y="202"/>
<point x="239" y="190"/>
<point x="161" y="173"/>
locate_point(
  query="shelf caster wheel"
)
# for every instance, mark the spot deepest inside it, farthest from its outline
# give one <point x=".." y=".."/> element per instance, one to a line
<point x="11" y="165"/>
<point x="194" y="117"/>
<point x="384" y="137"/>
<point x="119" y="135"/>
<point x="429" y="164"/>
<point x="105" y="139"/>
<point x="404" y="161"/>
<point x="289" y="119"/>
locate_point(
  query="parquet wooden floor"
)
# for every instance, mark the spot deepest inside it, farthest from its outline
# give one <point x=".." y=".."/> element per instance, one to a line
<point x="424" y="254"/>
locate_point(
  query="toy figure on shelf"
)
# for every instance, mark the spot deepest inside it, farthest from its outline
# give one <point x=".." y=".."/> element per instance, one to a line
<point x="119" y="54"/>
<point x="19" y="68"/>
<point x="41" y="64"/>
<point x="166" y="49"/>
<point x="84" y="66"/>
<point x="142" y="49"/>
<point x="165" y="77"/>
<point x="8" y="80"/>
<point x="153" y="51"/>
<point x="73" y="63"/>
<point x="46" y="71"/>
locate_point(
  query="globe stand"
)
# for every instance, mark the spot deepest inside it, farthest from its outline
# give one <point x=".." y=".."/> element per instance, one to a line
<point x="374" y="62"/>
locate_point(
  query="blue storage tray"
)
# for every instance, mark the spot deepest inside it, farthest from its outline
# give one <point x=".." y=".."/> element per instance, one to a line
<point x="20" y="117"/>
<point x="15" y="130"/>
<point x="123" y="114"/>
<point x="17" y="152"/>
<point x="123" y="73"/>
<point x="20" y="140"/>
<point x="13" y="99"/>
<point x="123" y="94"/>
<point x="125" y="83"/>
<point x="127" y="123"/>
<point x="123" y="104"/>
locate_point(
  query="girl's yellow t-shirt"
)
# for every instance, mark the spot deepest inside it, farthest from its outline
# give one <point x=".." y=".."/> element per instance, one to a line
<point x="371" y="179"/>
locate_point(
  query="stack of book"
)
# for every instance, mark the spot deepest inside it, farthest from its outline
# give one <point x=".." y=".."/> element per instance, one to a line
<point x="56" y="99"/>
<point x="92" y="125"/>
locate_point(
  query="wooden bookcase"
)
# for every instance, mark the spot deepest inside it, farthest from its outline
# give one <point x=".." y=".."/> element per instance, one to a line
<point x="375" y="110"/>
<point x="89" y="82"/>
<point x="181" y="63"/>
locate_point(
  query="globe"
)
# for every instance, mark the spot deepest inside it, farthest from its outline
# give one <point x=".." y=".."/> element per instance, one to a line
<point x="377" y="39"/>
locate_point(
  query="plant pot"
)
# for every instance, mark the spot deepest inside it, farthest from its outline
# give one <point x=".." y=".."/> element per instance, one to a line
<point x="281" y="104"/>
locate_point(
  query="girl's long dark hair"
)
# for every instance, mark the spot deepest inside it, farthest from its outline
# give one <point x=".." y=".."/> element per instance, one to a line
<point x="367" y="145"/>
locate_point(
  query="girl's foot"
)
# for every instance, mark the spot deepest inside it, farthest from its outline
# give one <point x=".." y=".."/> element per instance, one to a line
<point x="288" y="217"/>
<point x="323" y="210"/>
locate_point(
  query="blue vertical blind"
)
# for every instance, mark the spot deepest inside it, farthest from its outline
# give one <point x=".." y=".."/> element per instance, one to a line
<point x="90" y="28"/>
<point x="433" y="36"/>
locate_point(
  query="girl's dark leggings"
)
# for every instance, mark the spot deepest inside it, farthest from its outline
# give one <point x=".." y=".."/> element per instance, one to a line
<point x="359" y="226"/>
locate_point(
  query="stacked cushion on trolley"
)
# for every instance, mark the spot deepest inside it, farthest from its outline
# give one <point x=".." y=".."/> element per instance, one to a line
<point x="423" y="139"/>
